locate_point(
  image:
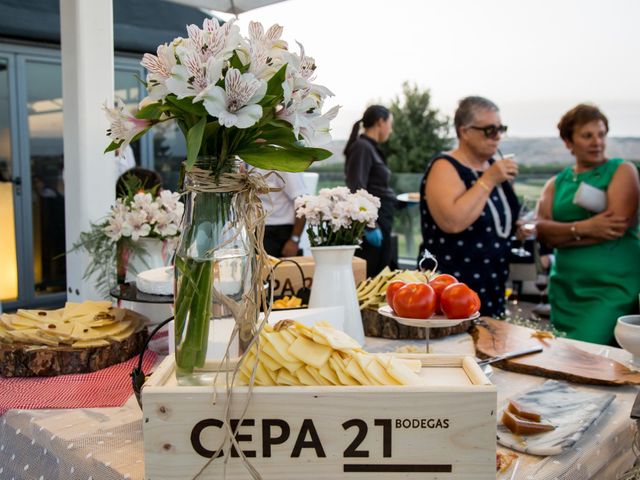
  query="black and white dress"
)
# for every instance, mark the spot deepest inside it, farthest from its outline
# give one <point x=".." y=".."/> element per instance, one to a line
<point x="478" y="256"/>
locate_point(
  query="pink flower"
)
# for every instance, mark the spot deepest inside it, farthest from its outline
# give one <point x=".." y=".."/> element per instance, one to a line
<point x="124" y="126"/>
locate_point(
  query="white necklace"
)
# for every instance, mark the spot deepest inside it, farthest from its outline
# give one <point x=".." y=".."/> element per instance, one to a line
<point x="501" y="231"/>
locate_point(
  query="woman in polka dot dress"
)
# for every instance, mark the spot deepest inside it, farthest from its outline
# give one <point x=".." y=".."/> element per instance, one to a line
<point x="468" y="208"/>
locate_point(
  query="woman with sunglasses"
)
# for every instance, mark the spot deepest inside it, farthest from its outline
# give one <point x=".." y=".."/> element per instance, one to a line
<point x="468" y="208"/>
<point x="596" y="276"/>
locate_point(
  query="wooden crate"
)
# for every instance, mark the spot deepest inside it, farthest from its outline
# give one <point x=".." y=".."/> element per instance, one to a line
<point x="445" y="429"/>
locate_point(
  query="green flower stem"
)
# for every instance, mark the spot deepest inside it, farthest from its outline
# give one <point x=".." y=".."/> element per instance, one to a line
<point x="194" y="313"/>
<point x="194" y="302"/>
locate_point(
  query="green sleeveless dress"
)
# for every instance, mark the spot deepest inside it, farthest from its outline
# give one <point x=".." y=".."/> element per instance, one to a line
<point x="591" y="286"/>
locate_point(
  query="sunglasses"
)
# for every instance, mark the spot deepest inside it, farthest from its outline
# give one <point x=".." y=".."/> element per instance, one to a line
<point x="491" y="131"/>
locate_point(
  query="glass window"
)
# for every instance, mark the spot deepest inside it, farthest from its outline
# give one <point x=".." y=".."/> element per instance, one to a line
<point x="44" y="109"/>
<point x="8" y="258"/>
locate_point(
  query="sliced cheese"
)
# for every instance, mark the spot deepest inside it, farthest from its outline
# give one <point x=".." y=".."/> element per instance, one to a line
<point x="304" y="377"/>
<point x="286" y="378"/>
<point x="281" y="346"/>
<point x="90" y="343"/>
<point x="309" y="352"/>
<point x="329" y="374"/>
<point x="402" y="372"/>
<point x="336" y="339"/>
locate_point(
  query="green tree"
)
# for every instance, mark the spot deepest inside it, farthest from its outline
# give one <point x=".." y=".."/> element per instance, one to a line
<point x="419" y="131"/>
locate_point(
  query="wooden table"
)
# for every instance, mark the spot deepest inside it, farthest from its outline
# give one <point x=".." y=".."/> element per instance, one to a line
<point x="106" y="443"/>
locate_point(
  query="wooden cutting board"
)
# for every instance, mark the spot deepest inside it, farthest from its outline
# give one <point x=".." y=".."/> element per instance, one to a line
<point x="559" y="359"/>
<point x="22" y="360"/>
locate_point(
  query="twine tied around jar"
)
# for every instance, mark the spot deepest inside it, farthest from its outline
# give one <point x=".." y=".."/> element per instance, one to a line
<point x="246" y="187"/>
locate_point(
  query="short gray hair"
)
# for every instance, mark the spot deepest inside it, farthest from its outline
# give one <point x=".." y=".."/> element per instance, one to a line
<point x="467" y="109"/>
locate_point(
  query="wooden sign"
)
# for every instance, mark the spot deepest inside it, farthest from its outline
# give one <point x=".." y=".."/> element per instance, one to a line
<point x="445" y="429"/>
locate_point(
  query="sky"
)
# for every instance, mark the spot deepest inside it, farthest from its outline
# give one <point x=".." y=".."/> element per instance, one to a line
<point x="535" y="59"/>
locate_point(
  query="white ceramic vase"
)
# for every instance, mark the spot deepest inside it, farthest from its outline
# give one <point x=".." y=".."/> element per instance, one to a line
<point x="150" y="253"/>
<point x="334" y="286"/>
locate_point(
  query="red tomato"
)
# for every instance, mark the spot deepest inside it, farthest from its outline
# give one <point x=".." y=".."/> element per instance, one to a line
<point x="392" y="288"/>
<point x="459" y="301"/>
<point x="415" y="300"/>
<point x="439" y="284"/>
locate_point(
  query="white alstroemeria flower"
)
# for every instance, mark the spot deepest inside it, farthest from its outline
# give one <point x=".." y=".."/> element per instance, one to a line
<point x="154" y="211"/>
<point x="114" y="229"/>
<point x="176" y="214"/>
<point x="166" y="229"/>
<point x="119" y="209"/>
<point x="193" y="76"/>
<point x="170" y="200"/>
<point x="159" y="70"/>
<point x="316" y="130"/>
<point x="124" y="126"/>
<point x="142" y="200"/>
<point x="235" y="105"/>
<point x="265" y="50"/>
<point x="222" y="40"/>
<point x="135" y="225"/>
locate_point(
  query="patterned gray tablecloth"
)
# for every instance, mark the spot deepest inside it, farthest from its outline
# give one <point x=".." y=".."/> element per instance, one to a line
<point x="106" y="443"/>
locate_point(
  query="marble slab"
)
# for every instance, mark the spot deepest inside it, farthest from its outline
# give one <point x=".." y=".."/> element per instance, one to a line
<point x="571" y="411"/>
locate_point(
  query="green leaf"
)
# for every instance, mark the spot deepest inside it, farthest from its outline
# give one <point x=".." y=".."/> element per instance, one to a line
<point x="112" y="146"/>
<point x="288" y="158"/>
<point x="270" y="101"/>
<point x="194" y="141"/>
<point x="277" y="132"/>
<point x="274" y="86"/>
<point x="186" y="105"/>
<point x="235" y="62"/>
<point x="153" y="111"/>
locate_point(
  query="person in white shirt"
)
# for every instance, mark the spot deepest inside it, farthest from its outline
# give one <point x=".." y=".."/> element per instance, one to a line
<point x="283" y="228"/>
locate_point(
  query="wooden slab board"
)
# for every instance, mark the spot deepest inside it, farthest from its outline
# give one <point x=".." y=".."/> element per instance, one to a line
<point x="21" y="360"/>
<point x="376" y="325"/>
<point x="559" y="359"/>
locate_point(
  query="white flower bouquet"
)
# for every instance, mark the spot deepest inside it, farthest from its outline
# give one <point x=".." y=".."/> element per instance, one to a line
<point x="137" y="214"/>
<point x="145" y="215"/>
<point x="231" y="95"/>
<point x="336" y="216"/>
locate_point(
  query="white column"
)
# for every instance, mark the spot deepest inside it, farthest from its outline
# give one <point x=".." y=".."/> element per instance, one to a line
<point x="87" y="82"/>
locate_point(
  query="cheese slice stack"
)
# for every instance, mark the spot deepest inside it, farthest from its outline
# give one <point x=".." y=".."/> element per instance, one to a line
<point x="87" y="324"/>
<point x="290" y="353"/>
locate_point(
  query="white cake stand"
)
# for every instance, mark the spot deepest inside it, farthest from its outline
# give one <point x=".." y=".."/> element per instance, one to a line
<point x="436" y="321"/>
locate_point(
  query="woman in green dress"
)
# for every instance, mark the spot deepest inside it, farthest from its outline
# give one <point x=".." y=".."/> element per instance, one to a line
<point x="596" y="275"/>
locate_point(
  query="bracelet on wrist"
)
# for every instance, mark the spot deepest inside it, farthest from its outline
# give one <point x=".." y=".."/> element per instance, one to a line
<point x="295" y="238"/>
<point x="484" y="185"/>
<point x="574" y="231"/>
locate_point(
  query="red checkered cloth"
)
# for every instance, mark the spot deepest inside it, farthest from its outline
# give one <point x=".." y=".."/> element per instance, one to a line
<point x="109" y="387"/>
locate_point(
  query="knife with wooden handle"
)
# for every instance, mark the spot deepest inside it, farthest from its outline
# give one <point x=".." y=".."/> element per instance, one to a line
<point x="506" y="356"/>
